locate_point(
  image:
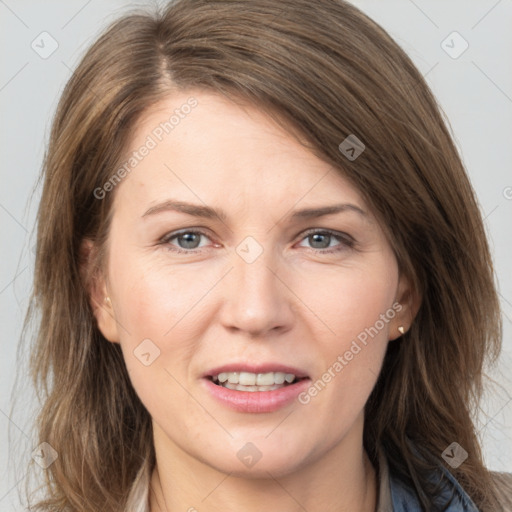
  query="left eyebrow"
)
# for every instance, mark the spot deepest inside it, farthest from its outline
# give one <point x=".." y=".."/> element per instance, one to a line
<point x="308" y="213"/>
<point x="208" y="212"/>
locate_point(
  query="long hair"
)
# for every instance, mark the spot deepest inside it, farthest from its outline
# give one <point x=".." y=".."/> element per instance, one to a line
<point x="324" y="71"/>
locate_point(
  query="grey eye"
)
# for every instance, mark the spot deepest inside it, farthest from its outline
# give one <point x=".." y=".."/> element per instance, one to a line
<point x="190" y="240"/>
<point x="322" y="239"/>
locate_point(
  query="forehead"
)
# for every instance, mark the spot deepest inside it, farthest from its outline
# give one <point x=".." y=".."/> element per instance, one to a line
<point x="204" y="145"/>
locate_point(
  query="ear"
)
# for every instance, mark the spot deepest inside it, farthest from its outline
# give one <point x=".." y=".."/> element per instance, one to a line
<point x="407" y="301"/>
<point x="97" y="292"/>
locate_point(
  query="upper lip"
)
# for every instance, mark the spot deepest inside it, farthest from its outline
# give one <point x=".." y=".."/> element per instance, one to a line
<point x="256" y="368"/>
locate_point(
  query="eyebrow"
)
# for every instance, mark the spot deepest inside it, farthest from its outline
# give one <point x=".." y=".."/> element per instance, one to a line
<point x="208" y="212"/>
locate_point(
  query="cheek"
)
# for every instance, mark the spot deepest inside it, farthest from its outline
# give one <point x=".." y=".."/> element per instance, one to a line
<point x="154" y="299"/>
<point x="354" y="309"/>
<point x="160" y="316"/>
<point x="348" y="302"/>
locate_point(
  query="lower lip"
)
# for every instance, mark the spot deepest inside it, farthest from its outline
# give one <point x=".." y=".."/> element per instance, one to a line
<point x="256" y="401"/>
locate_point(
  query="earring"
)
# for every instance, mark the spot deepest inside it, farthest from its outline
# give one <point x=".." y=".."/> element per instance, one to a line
<point x="401" y="329"/>
<point x="108" y="301"/>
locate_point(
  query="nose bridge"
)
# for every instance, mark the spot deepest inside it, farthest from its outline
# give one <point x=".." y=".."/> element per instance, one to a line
<point x="255" y="300"/>
<point x="254" y="276"/>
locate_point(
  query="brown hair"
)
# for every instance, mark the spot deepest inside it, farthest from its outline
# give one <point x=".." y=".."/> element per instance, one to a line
<point x="324" y="70"/>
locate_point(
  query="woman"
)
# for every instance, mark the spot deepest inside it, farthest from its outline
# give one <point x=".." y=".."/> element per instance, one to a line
<point x="262" y="275"/>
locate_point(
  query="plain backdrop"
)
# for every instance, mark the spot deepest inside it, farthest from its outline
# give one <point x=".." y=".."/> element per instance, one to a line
<point x="473" y="86"/>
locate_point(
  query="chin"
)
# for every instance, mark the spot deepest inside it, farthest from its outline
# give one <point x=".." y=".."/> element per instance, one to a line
<point x="258" y="459"/>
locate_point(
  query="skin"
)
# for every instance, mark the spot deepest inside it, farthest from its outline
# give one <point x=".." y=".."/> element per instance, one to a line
<point x="294" y="304"/>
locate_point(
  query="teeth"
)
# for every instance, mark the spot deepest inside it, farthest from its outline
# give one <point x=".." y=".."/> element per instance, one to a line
<point x="233" y="377"/>
<point x="240" y="387"/>
<point x="268" y="379"/>
<point x="247" y="379"/>
<point x="256" y="380"/>
<point x="279" y="378"/>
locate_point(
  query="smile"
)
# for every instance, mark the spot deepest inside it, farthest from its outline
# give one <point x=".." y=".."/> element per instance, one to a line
<point x="247" y="381"/>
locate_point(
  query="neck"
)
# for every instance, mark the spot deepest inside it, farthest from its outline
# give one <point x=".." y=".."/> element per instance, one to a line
<point x="341" y="480"/>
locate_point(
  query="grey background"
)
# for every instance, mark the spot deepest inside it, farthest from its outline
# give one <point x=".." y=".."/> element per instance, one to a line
<point x="474" y="90"/>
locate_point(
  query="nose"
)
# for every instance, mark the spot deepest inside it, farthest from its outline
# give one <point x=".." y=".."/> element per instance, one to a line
<point x="257" y="298"/>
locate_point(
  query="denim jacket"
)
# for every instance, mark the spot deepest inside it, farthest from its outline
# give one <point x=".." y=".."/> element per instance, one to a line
<point x="405" y="500"/>
<point x="394" y="496"/>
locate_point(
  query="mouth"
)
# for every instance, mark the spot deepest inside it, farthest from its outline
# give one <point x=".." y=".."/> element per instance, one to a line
<point x="252" y="382"/>
<point x="255" y="388"/>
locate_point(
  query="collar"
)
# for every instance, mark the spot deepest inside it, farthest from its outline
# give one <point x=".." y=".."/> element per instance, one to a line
<point x="395" y="496"/>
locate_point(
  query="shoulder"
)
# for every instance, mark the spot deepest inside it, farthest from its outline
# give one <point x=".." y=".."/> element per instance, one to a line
<point x="397" y="496"/>
<point x="503" y="484"/>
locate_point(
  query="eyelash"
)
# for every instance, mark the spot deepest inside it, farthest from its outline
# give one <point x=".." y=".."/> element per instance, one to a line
<point x="346" y="240"/>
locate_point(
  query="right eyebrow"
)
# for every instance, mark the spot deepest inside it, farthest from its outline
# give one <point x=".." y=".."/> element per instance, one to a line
<point x="195" y="210"/>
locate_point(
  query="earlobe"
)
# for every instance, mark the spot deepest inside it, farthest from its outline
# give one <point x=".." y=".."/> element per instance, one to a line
<point x="106" y="319"/>
<point x="96" y="289"/>
<point x="409" y="300"/>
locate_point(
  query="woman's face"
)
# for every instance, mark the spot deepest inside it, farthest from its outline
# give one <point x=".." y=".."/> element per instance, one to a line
<point x="264" y="286"/>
